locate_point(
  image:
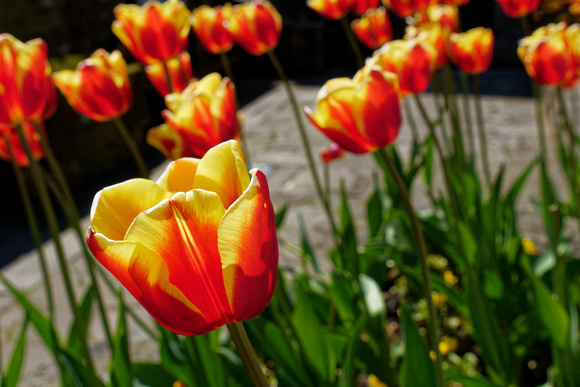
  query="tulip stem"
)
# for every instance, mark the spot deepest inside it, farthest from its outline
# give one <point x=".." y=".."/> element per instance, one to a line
<point x="450" y="91"/>
<point x="132" y="146"/>
<point x="55" y="234"/>
<point x="247" y="354"/>
<point x="540" y="122"/>
<point x="353" y="42"/>
<point x="481" y="129"/>
<point x="467" y="114"/>
<point x="421" y="246"/>
<point x="436" y="93"/>
<point x="167" y="77"/>
<point x="227" y="67"/>
<point x="305" y="142"/>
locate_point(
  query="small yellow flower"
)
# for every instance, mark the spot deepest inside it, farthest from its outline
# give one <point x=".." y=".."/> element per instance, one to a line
<point x="529" y="246"/>
<point x="373" y="381"/>
<point x="450" y="278"/>
<point x="448" y="344"/>
<point x="439" y="299"/>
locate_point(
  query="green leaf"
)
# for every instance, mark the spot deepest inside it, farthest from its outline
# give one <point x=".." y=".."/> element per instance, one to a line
<point x="15" y="366"/>
<point x="469" y="381"/>
<point x="234" y="367"/>
<point x="417" y="368"/>
<point x="347" y="235"/>
<point x="350" y="353"/>
<point x="76" y="371"/>
<point x="310" y="335"/>
<point x="209" y="360"/>
<point x="151" y="375"/>
<point x="121" y="374"/>
<point x="343" y="297"/>
<point x="492" y="285"/>
<point x="469" y="244"/>
<point x="281" y="215"/>
<point x="373" y="296"/>
<point x="375" y="209"/>
<point x="173" y="357"/>
<point x="74" y="342"/>
<point x="308" y="255"/>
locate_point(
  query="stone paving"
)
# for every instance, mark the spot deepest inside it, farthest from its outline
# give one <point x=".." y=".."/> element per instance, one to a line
<point x="274" y="146"/>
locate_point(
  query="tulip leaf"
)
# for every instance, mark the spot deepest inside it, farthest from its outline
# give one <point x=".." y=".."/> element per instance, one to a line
<point x="470" y="381"/>
<point x="373" y="296"/>
<point x="417" y="368"/>
<point x="173" y="357"/>
<point x="199" y="348"/>
<point x="15" y="366"/>
<point x="234" y="367"/>
<point x="348" y="242"/>
<point x="375" y="209"/>
<point x="348" y="375"/>
<point x="76" y="371"/>
<point x="343" y="297"/>
<point x="74" y="342"/>
<point x="151" y="375"/>
<point x="281" y="215"/>
<point x="308" y="255"/>
<point x="121" y="374"/>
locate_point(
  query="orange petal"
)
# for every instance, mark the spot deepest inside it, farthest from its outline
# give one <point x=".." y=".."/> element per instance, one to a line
<point x="249" y="250"/>
<point x="179" y="175"/>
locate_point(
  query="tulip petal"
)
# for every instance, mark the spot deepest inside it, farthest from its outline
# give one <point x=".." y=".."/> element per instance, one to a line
<point x="223" y="170"/>
<point x="179" y="175"/>
<point x="146" y="277"/>
<point x="183" y="232"/>
<point x="115" y="207"/>
<point x="249" y="250"/>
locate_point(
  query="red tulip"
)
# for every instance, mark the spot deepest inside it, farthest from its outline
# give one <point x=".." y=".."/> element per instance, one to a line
<point x="472" y="51"/>
<point x="433" y="33"/>
<point x="518" y="8"/>
<point x="406" y="8"/>
<point x="373" y="29"/>
<point x="208" y="25"/>
<point x="178" y="70"/>
<point x="331" y="153"/>
<point x="198" y="247"/>
<point x="361" y="6"/>
<point x="10" y="143"/>
<point x="331" y="9"/>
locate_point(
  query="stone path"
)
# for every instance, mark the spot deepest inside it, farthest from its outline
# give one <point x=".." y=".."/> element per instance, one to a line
<point x="274" y="146"/>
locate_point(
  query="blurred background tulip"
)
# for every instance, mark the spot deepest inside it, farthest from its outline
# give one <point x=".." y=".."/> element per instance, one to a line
<point x="331" y="9"/>
<point x="153" y="32"/>
<point x="518" y="8"/>
<point x="178" y="71"/>
<point x="405" y="8"/>
<point x="197" y="248"/>
<point x="412" y="60"/>
<point x="373" y="29"/>
<point x="433" y="33"/>
<point x="256" y="26"/>
<point x="99" y="88"/>
<point x="11" y="147"/>
<point x="208" y="25"/>
<point x="547" y="55"/>
<point x="472" y="51"/>
<point x="361" y="114"/>
<point x="331" y="153"/>
<point x="197" y="119"/>
<point x="361" y="6"/>
<point x="445" y="15"/>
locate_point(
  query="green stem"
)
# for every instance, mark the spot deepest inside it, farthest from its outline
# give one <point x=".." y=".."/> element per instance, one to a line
<point x="481" y="129"/>
<point x="353" y="42"/>
<point x="167" y="77"/>
<point x="55" y="234"/>
<point x="132" y="146"/>
<point x="247" y="354"/>
<point x="450" y="91"/>
<point x="421" y="246"/>
<point x="305" y="142"/>
<point x="437" y="90"/>
<point x="326" y="176"/>
<point x="66" y="199"/>
<point x="227" y="67"/>
<point x="467" y="113"/>
<point x="526" y="25"/>
<point x="414" y="133"/>
<point x="540" y="123"/>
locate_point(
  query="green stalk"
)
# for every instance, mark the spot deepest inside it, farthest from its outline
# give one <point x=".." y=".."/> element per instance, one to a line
<point x="326" y="176"/>
<point x="55" y="234"/>
<point x="167" y="77"/>
<point x="421" y="246"/>
<point x="437" y="90"/>
<point x="247" y="354"/>
<point x="526" y="25"/>
<point x="414" y="133"/>
<point x="305" y="142"/>
<point x="132" y="146"/>
<point x="467" y="113"/>
<point x="353" y="42"/>
<point x="540" y="123"/>
<point x="481" y="129"/>
<point x="450" y="91"/>
<point x="66" y="199"/>
<point x="227" y="67"/>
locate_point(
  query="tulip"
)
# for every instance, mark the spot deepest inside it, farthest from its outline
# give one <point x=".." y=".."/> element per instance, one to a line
<point x="197" y="248"/>
<point x="455" y="2"/>
<point x="178" y="70"/>
<point x="331" y="153"/>
<point x="26" y="89"/>
<point x="99" y="88"/>
<point x="373" y="29"/>
<point x="10" y="144"/>
<point x="256" y="26"/>
<point x="472" y="51"/>
<point x="154" y="32"/>
<point x="573" y="38"/>
<point x="412" y="60"/>
<point x="208" y="25"/>
<point x="361" y="114"/>
<point x="359" y="7"/>
<point x="445" y="15"/>
<point x="518" y="8"/>
<point x="406" y="8"/>
<point x="435" y="35"/>
<point x="547" y="56"/>
<point x="197" y="119"/>
<point x="331" y="9"/>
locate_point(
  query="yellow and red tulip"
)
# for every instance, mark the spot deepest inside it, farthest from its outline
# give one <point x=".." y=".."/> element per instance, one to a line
<point x="330" y="9"/>
<point x="472" y="51"/>
<point x="99" y="88"/>
<point x="406" y="8"/>
<point x="331" y="153"/>
<point x="359" y="7"/>
<point x="208" y="25"/>
<point x="455" y="2"/>
<point x="361" y="114"/>
<point x="433" y="33"/>
<point x="373" y="29"/>
<point x="197" y="119"/>
<point x="518" y="8"/>
<point x="548" y="57"/>
<point x="10" y="144"/>
<point x="412" y="60"/>
<point x="178" y="71"/>
<point x="256" y="26"/>
<point x="154" y="32"/>
<point x="573" y="38"/>
<point x="197" y="248"/>
<point x="26" y="89"/>
<point x="445" y="15"/>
